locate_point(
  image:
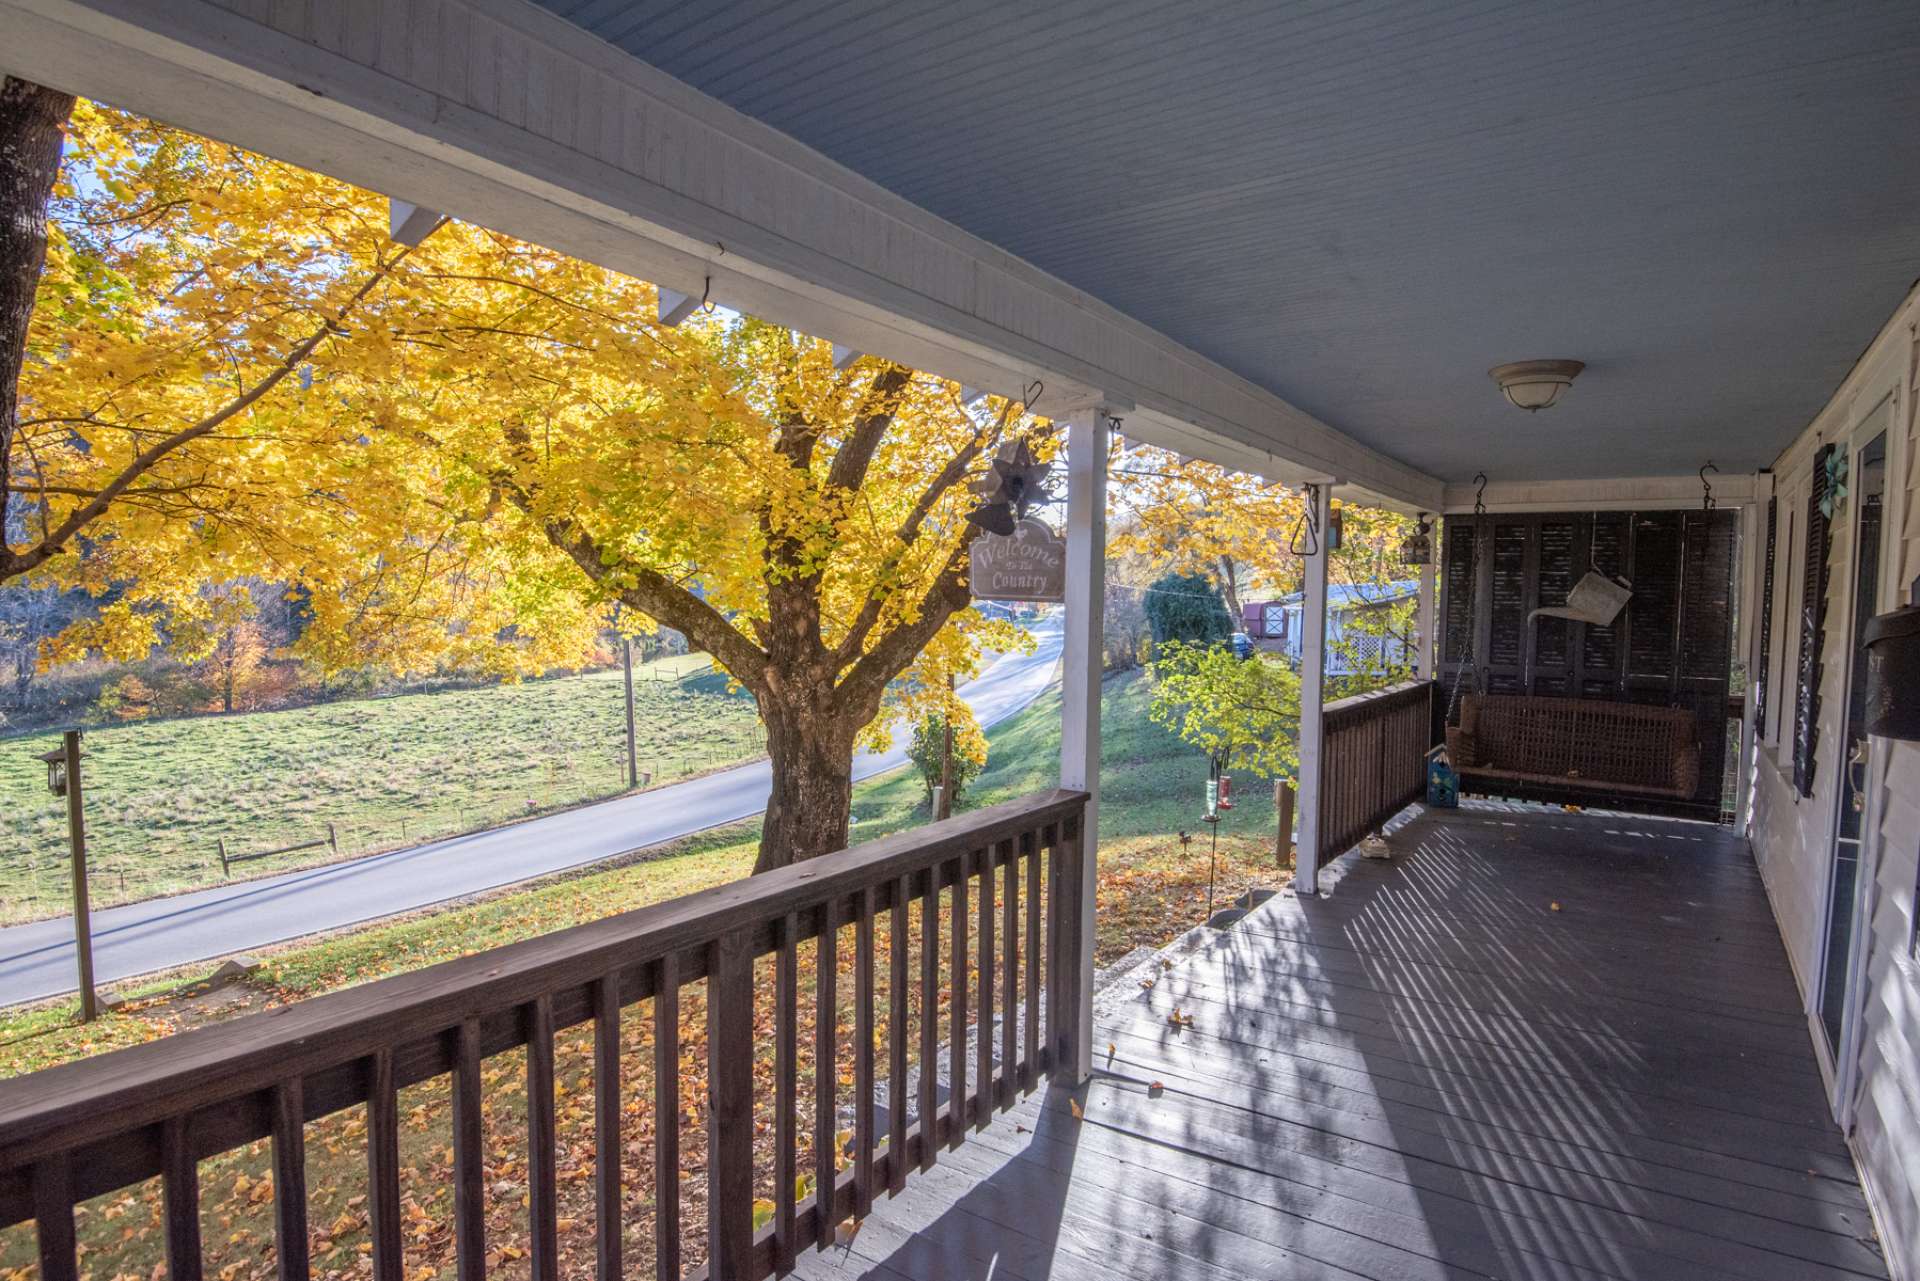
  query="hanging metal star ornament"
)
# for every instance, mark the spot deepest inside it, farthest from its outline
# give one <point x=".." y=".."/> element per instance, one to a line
<point x="1014" y="483"/>
<point x="1835" y="496"/>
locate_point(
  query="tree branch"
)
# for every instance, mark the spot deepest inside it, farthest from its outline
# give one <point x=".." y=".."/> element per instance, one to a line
<point x="85" y="514"/>
<point x="882" y="402"/>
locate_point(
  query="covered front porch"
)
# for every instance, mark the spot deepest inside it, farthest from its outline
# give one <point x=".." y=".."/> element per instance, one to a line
<point x="1533" y="1043"/>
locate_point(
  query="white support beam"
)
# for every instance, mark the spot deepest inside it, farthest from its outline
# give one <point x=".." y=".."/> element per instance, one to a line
<point x="507" y="116"/>
<point x="1630" y="493"/>
<point x="675" y="306"/>
<point x="1082" y="661"/>
<point x="1427" y="624"/>
<point x="844" y="355"/>
<point x="1753" y="559"/>
<point x="1313" y="685"/>
<point x="409" y="224"/>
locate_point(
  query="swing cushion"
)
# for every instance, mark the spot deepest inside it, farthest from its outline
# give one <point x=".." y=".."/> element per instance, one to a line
<point x="1578" y="742"/>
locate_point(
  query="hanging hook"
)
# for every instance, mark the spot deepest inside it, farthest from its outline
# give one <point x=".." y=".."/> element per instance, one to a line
<point x="1480" y="494"/>
<point x="1706" y="490"/>
<point x="706" y="293"/>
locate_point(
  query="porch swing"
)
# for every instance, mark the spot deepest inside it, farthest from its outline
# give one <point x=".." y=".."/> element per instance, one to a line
<point x="1557" y="747"/>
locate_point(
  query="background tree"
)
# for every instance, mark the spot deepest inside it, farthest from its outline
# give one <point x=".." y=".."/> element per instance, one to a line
<point x="1245" y="710"/>
<point x="1196" y="517"/>
<point x="468" y="453"/>
<point x="1186" y="608"/>
<point x="32" y="120"/>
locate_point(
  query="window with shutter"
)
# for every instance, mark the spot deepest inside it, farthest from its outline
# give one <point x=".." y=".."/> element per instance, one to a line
<point x="1813" y="623"/>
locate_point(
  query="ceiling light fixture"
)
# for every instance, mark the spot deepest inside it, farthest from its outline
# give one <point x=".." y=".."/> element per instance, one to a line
<point x="1534" y="385"/>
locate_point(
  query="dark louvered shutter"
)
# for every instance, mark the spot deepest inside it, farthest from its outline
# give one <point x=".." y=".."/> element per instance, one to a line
<point x="1765" y="622"/>
<point x="1813" y="624"/>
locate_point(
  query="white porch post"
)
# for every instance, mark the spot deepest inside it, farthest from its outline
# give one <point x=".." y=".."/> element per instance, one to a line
<point x="1753" y="555"/>
<point x="1313" y="674"/>
<point x="1425" y="663"/>
<point x="1080" y="693"/>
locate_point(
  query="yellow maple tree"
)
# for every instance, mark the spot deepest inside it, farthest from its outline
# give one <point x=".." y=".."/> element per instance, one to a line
<point x="473" y="450"/>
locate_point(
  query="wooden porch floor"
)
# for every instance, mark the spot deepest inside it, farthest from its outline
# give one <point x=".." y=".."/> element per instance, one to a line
<point x="1430" y="1073"/>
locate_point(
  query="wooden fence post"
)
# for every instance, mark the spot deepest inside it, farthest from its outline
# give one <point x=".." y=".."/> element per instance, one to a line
<point x="1283" y="814"/>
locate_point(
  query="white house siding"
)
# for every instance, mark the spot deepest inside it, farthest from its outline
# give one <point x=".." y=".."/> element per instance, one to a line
<point x="1792" y="834"/>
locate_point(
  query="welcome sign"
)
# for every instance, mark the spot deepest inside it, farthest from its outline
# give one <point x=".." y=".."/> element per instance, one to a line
<point x="1029" y="564"/>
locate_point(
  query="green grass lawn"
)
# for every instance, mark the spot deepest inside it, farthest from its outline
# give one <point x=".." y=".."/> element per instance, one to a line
<point x="384" y="772"/>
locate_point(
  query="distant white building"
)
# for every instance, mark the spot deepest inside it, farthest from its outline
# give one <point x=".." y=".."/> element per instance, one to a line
<point x="1275" y="625"/>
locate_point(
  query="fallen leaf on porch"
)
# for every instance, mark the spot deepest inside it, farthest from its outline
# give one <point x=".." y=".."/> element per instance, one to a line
<point x="1112" y="1050"/>
<point x="1156" y="1088"/>
<point x="846" y="1232"/>
<point x="762" y="1213"/>
<point x="1078" y="1112"/>
<point x="1180" y="1018"/>
<point x="1019" y="1128"/>
<point x="1555" y="905"/>
<point x="1146" y="983"/>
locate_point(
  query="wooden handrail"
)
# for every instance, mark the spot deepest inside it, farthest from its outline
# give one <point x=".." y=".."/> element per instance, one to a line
<point x="1374" y="759"/>
<point x="72" y="1132"/>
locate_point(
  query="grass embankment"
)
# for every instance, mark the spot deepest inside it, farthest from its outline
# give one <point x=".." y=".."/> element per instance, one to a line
<point x="1151" y="888"/>
<point x="385" y="772"/>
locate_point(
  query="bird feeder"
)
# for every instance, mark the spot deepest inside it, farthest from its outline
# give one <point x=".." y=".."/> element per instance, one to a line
<point x="1892" y="642"/>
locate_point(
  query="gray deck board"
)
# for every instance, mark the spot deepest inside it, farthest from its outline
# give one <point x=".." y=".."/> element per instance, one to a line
<point x="1429" y="1074"/>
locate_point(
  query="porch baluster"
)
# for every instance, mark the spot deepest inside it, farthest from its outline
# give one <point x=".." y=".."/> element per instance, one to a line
<point x="957" y="1041"/>
<point x="180" y="1181"/>
<point x="897" y="1040"/>
<point x="383" y="1169"/>
<point x="666" y="1119"/>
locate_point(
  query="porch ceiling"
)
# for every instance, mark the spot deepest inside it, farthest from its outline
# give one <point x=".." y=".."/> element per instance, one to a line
<point x="1363" y="206"/>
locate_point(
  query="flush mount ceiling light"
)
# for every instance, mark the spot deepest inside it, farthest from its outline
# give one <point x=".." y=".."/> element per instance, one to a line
<point x="1535" y="384"/>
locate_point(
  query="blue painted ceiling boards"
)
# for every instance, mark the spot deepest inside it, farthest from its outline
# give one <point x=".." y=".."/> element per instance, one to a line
<point x="1363" y="205"/>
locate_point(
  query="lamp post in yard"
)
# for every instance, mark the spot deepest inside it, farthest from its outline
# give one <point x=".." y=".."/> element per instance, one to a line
<point x="63" y="779"/>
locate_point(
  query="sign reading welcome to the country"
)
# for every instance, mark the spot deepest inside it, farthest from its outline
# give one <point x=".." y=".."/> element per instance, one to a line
<point x="1029" y="564"/>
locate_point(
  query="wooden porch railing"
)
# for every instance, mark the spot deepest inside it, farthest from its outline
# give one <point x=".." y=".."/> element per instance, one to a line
<point x="74" y="1132"/>
<point x="1373" y="761"/>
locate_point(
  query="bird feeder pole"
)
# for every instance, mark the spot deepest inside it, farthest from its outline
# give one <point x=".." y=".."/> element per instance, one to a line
<point x="63" y="779"/>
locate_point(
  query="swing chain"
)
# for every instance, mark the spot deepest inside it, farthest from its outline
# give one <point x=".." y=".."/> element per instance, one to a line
<point x="1706" y="490"/>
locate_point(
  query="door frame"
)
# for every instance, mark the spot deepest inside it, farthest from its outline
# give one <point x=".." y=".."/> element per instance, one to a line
<point x="1844" y="1064"/>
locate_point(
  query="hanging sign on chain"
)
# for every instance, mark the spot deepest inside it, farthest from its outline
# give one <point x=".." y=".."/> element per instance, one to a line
<point x="1030" y="564"/>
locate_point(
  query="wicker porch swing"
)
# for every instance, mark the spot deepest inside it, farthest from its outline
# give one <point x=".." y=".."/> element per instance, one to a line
<point x="1552" y="744"/>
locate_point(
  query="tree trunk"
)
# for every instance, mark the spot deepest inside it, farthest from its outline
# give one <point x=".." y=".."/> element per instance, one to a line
<point x="811" y="750"/>
<point x="1230" y="589"/>
<point x="32" y="121"/>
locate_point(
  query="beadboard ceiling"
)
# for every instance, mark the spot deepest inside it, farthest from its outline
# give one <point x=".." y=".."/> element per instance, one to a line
<point x="1361" y="206"/>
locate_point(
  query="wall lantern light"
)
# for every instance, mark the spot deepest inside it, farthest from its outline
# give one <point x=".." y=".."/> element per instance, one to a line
<point x="1534" y="385"/>
<point x="56" y="771"/>
<point x="1417" y="549"/>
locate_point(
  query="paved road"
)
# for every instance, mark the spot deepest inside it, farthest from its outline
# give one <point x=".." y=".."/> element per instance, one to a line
<point x="37" y="960"/>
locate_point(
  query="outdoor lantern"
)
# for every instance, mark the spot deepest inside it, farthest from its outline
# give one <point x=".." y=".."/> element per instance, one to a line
<point x="56" y="771"/>
<point x="1418" y="547"/>
<point x="1534" y="385"/>
<point x="1892" y="642"/>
